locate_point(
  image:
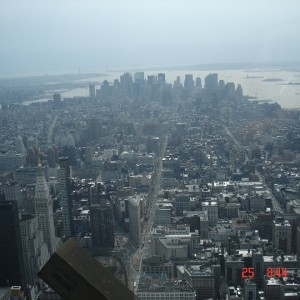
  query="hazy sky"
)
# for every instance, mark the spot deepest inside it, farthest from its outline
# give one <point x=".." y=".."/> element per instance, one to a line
<point x="61" y="35"/>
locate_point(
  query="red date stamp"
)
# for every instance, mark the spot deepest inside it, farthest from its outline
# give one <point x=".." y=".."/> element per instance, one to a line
<point x="270" y="272"/>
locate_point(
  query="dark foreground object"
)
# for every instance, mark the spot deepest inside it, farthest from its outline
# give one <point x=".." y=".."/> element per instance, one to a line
<point x="75" y="275"/>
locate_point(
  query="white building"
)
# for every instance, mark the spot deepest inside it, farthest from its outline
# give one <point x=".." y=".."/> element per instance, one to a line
<point x="35" y="250"/>
<point x="44" y="211"/>
<point x="165" y="290"/>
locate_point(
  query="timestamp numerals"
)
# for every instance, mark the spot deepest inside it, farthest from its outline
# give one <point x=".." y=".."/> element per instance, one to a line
<point x="276" y="272"/>
<point x="247" y="272"/>
<point x="270" y="272"/>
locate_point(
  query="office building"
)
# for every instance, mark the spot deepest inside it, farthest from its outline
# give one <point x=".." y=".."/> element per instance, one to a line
<point x="28" y="174"/>
<point x="212" y="212"/>
<point x="64" y="185"/>
<point x="282" y="231"/>
<point x="273" y="288"/>
<point x="92" y="91"/>
<point x="249" y="289"/>
<point x="189" y="83"/>
<point x="202" y="280"/>
<point x="139" y="77"/>
<point x="12" y="160"/>
<point x="35" y="250"/>
<point x="102" y="227"/>
<point x="182" y="203"/>
<point x="211" y="83"/>
<point x="165" y="290"/>
<point x="20" y="148"/>
<point x="233" y="270"/>
<point x="12" y="271"/>
<point x="161" y="78"/>
<point x="12" y="191"/>
<point x="135" y="222"/>
<point x="163" y="213"/>
<point x="44" y="211"/>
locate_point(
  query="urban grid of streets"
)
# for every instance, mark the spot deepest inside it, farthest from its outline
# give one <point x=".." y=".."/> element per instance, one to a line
<point x="132" y="256"/>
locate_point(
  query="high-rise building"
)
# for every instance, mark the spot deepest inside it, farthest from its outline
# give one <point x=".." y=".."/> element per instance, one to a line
<point x="126" y="82"/>
<point x="92" y="91"/>
<point x="182" y="203"/>
<point x="233" y="270"/>
<point x="88" y="155"/>
<point x="27" y="175"/>
<point x="202" y="279"/>
<point x="198" y="82"/>
<point x="57" y="101"/>
<point x="163" y="213"/>
<point x="35" y="250"/>
<point x="44" y="211"/>
<point x="135" y="225"/>
<point x="273" y="288"/>
<point x="11" y="254"/>
<point x="249" y="289"/>
<point x="161" y="78"/>
<point x="211" y="82"/>
<point x="139" y="77"/>
<point x="20" y="148"/>
<point x="282" y="232"/>
<point x="101" y="216"/>
<point x="189" y="83"/>
<point x="212" y="211"/>
<point x="64" y="184"/>
<point x="151" y="79"/>
<point x="12" y="191"/>
<point x="165" y="290"/>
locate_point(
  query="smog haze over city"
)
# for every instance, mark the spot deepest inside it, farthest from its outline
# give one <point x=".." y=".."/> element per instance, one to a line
<point x="150" y="149"/>
<point x="57" y="36"/>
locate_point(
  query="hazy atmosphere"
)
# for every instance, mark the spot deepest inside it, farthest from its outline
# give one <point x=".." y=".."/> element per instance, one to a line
<point x="59" y="36"/>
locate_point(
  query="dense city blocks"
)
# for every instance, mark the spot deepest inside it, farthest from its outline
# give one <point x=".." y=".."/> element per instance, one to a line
<point x="181" y="190"/>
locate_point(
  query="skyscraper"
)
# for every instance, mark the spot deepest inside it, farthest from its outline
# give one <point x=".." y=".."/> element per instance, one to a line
<point x="211" y="82"/>
<point x="64" y="183"/>
<point x="92" y="91"/>
<point x="101" y="216"/>
<point x="35" y="250"/>
<point x="20" y="148"/>
<point x="11" y="255"/>
<point x="44" y="211"/>
<point x="135" y="225"/>
<point x="189" y="83"/>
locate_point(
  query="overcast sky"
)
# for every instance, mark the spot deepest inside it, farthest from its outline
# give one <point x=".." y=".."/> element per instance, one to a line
<point x="64" y="35"/>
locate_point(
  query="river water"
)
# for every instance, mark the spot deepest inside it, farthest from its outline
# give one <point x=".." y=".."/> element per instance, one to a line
<point x="266" y="84"/>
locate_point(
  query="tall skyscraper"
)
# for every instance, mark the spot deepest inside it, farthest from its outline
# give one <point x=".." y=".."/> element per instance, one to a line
<point x="44" y="211"/>
<point x="20" y="148"/>
<point x="35" y="250"/>
<point x="211" y="82"/>
<point x="92" y="91"/>
<point x="282" y="232"/>
<point x="189" y="83"/>
<point x="101" y="216"/>
<point x="135" y="225"/>
<point x="64" y="183"/>
<point x="11" y="255"/>
<point x="139" y="77"/>
<point x="161" y="78"/>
